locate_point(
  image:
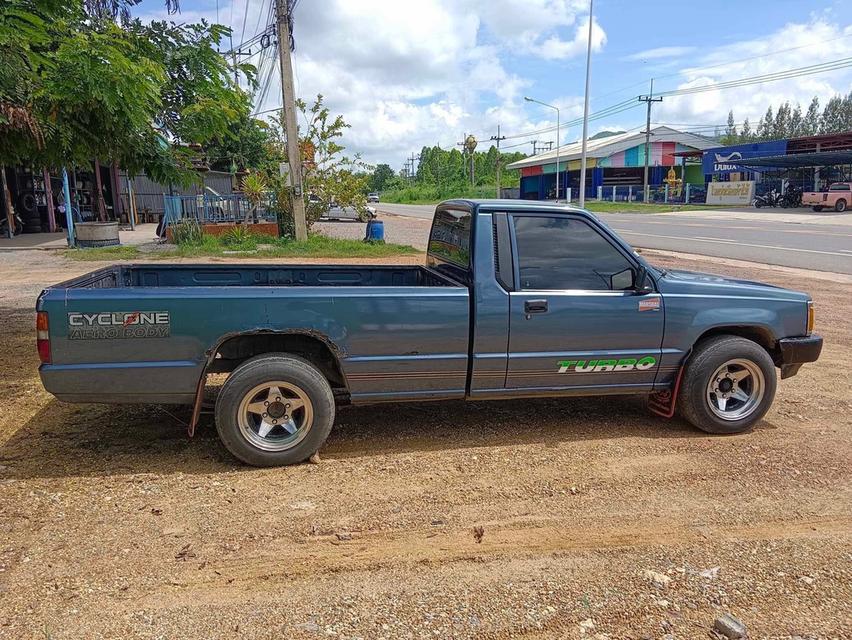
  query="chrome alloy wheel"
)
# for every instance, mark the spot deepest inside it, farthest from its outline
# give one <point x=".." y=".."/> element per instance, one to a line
<point x="275" y="416"/>
<point x="736" y="389"/>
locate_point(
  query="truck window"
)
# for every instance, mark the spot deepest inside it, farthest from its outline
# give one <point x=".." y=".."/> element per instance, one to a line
<point x="450" y="238"/>
<point x="840" y="186"/>
<point x="564" y="253"/>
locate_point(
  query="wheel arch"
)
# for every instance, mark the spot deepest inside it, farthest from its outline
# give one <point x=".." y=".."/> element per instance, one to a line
<point x="759" y="334"/>
<point x="233" y="349"/>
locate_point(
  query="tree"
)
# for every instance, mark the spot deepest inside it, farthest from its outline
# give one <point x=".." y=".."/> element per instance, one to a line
<point x="730" y="136"/>
<point x="835" y="116"/>
<point x="781" y="125"/>
<point x="766" y="126"/>
<point x="249" y="144"/>
<point x="812" y="122"/>
<point x="796" y="122"/>
<point x="74" y="86"/>
<point x="328" y="174"/>
<point x="746" y="134"/>
<point x="380" y="177"/>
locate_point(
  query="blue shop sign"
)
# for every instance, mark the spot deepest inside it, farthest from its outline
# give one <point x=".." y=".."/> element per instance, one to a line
<point x="724" y="159"/>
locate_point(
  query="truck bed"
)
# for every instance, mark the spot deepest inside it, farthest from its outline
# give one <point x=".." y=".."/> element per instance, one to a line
<point x="144" y="333"/>
<point x="214" y="275"/>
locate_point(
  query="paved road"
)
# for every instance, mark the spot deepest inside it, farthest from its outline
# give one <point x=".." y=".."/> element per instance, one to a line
<point x="822" y="243"/>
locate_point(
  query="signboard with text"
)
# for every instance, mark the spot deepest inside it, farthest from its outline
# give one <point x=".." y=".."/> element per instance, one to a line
<point x="730" y="192"/>
<point x="722" y="160"/>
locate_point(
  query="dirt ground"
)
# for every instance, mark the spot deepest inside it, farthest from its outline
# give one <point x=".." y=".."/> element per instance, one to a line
<point x="114" y="525"/>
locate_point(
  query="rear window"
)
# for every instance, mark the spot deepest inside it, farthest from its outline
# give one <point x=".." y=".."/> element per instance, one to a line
<point x="839" y="187"/>
<point x="450" y="239"/>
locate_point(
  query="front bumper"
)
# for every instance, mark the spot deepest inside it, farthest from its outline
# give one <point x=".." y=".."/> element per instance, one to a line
<point x="797" y="351"/>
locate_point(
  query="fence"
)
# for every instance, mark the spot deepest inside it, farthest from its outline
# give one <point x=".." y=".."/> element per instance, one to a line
<point x="692" y="193"/>
<point x="208" y="208"/>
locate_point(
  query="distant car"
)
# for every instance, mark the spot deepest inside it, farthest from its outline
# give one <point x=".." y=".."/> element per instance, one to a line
<point x="838" y="197"/>
<point x="373" y="197"/>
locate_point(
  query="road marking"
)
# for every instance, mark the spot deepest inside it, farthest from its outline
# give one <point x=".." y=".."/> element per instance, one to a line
<point x="741" y="244"/>
<point x="740" y="228"/>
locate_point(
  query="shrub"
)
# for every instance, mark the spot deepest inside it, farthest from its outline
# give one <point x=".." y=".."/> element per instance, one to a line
<point x="187" y="232"/>
<point x="239" y="237"/>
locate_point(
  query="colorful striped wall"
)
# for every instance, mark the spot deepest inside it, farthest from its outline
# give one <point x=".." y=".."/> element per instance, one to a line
<point x="661" y="155"/>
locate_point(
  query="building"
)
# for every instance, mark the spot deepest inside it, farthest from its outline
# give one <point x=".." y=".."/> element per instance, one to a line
<point x="810" y="163"/>
<point x="614" y="161"/>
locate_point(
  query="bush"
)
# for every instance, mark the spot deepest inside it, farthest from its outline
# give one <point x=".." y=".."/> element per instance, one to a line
<point x="240" y="238"/>
<point x="187" y="232"/>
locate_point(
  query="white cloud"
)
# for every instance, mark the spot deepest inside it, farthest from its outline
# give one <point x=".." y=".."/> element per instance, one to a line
<point x="660" y="53"/>
<point x="409" y="74"/>
<point x="794" y="45"/>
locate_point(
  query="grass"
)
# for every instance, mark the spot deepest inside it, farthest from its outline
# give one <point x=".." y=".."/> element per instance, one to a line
<point x="425" y="194"/>
<point x="252" y="247"/>
<point x="602" y="206"/>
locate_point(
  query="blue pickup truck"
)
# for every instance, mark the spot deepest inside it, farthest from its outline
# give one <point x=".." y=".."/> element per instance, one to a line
<point x="516" y="300"/>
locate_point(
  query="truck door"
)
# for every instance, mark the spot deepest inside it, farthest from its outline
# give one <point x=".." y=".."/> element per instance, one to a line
<point x="578" y="321"/>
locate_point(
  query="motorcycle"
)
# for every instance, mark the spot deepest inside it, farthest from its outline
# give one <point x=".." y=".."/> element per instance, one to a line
<point x="4" y="226"/>
<point x="768" y="199"/>
<point x="792" y="198"/>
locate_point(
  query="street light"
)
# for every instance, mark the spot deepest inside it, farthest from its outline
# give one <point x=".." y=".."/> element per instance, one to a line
<point x="558" y="138"/>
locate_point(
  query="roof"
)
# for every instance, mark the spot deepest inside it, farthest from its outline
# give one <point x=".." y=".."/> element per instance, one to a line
<point x="506" y="204"/>
<point x="605" y="147"/>
<point x="817" y="159"/>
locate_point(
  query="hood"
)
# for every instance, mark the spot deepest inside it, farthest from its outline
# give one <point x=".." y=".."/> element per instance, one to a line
<point x="679" y="281"/>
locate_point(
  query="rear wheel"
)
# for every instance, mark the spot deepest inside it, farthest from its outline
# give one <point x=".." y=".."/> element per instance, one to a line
<point x="275" y="409"/>
<point x="840" y="205"/>
<point x="729" y="385"/>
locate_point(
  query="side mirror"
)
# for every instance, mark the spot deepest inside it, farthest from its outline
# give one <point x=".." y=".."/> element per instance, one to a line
<point x="641" y="284"/>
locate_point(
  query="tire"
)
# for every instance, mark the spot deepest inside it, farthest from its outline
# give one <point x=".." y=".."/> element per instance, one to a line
<point x="737" y="356"/>
<point x="840" y="205"/>
<point x="758" y="204"/>
<point x="817" y="209"/>
<point x="253" y="383"/>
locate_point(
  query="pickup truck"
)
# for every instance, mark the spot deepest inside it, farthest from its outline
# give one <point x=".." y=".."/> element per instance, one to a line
<point x="516" y="300"/>
<point x="838" y="197"/>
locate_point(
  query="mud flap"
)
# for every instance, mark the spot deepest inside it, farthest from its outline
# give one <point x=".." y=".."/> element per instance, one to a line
<point x="663" y="402"/>
<point x="196" y="407"/>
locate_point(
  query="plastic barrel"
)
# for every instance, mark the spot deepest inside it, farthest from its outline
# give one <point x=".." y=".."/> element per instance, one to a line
<point x="375" y="231"/>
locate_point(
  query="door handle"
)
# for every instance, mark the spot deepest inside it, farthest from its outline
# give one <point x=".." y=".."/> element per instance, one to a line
<point x="535" y="306"/>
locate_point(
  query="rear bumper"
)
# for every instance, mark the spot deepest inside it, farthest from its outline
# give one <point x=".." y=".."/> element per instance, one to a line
<point x="797" y="351"/>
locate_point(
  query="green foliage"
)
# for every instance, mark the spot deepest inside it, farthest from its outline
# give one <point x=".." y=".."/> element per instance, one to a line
<point x="789" y="122"/>
<point x="381" y="177"/>
<point x="329" y="175"/>
<point x="239" y="237"/>
<point x="74" y="86"/>
<point x="248" y="143"/>
<point x="317" y="246"/>
<point x="187" y="232"/>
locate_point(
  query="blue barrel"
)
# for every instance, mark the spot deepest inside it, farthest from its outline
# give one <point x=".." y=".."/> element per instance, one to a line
<point x="375" y="231"/>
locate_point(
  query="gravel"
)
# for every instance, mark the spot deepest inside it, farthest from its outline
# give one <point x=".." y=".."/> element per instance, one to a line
<point x="114" y="525"/>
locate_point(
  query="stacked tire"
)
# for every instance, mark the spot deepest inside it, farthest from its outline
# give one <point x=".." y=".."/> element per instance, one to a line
<point x="29" y="213"/>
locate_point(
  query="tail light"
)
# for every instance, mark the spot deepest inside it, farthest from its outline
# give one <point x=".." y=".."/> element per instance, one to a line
<point x="42" y="337"/>
<point x="810" y="317"/>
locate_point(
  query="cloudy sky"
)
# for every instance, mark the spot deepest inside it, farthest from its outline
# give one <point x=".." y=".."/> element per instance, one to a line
<point x="409" y="73"/>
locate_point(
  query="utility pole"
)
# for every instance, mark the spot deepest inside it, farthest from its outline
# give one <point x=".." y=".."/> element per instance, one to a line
<point x="586" y="109"/>
<point x="297" y="199"/>
<point x="413" y="171"/>
<point x="498" y="138"/>
<point x="648" y="100"/>
<point x="534" y="142"/>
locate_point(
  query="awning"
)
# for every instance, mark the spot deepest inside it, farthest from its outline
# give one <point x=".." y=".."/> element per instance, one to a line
<point x="791" y="161"/>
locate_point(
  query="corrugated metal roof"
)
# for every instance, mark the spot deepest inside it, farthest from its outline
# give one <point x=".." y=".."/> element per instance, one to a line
<point x="605" y="147"/>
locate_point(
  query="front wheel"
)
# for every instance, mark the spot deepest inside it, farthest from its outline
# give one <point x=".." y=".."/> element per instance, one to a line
<point x="728" y="385"/>
<point x="273" y="410"/>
